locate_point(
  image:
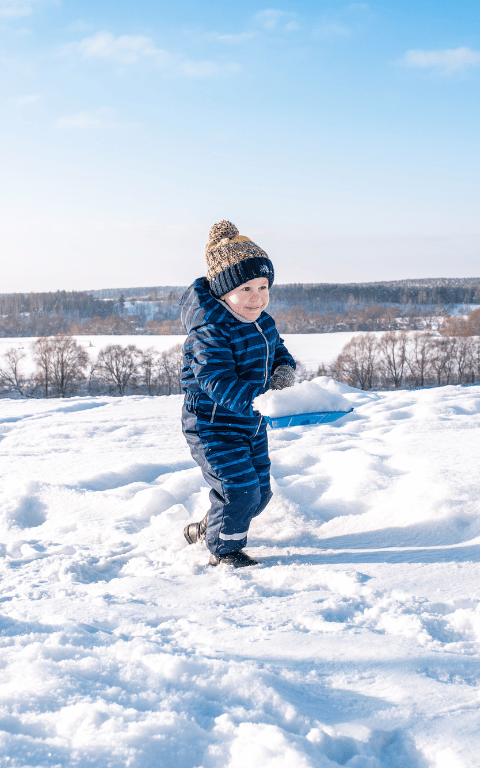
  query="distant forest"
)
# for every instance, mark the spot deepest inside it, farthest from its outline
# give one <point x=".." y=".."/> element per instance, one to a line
<point x="297" y="308"/>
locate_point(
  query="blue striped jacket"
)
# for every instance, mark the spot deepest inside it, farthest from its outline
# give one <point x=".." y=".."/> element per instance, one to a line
<point x="227" y="358"/>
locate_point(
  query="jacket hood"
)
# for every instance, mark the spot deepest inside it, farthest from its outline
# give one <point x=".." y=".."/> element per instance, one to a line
<point x="198" y="307"/>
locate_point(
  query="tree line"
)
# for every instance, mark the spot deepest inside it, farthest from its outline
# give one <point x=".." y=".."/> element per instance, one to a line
<point x="80" y="312"/>
<point x="419" y="293"/>
<point x="468" y="325"/>
<point x="63" y="368"/>
<point x="76" y="304"/>
<point x="15" y="326"/>
<point x="294" y="320"/>
<point x="399" y="359"/>
<point x="373" y="317"/>
<point x="297" y="308"/>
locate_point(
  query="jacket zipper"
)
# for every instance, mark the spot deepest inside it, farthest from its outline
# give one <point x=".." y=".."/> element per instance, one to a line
<point x="266" y="368"/>
<point x="213" y="413"/>
<point x="267" y="355"/>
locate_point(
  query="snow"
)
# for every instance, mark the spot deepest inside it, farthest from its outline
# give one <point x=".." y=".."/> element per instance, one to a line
<point x="463" y="309"/>
<point x="148" y="308"/>
<point x="319" y="394"/>
<point x="355" y="642"/>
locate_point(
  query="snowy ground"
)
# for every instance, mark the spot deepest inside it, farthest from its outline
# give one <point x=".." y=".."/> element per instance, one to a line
<point x="311" y="349"/>
<point x="355" y="643"/>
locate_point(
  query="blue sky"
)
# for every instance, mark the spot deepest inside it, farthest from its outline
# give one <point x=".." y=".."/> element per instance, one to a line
<point x="342" y="137"/>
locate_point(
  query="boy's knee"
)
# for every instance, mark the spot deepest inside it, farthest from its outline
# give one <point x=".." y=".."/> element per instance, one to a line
<point x="265" y="496"/>
<point x="243" y="500"/>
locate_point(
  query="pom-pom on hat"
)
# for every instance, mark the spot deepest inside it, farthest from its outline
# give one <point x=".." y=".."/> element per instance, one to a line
<point x="233" y="259"/>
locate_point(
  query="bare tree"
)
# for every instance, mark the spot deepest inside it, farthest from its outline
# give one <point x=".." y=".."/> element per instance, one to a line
<point x="462" y="326"/>
<point x="473" y="322"/>
<point x="42" y="354"/>
<point x="464" y="362"/>
<point x="392" y="349"/>
<point x="303" y="374"/>
<point x="149" y="371"/>
<point x="117" y="366"/>
<point x="68" y="363"/>
<point x="418" y="358"/>
<point x="443" y="359"/>
<point x="322" y="370"/>
<point x="454" y="326"/>
<point x="356" y="363"/>
<point x="171" y="363"/>
<point x="475" y="358"/>
<point x="11" y="376"/>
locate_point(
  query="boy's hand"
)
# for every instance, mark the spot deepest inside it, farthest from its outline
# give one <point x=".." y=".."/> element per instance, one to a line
<point x="282" y="377"/>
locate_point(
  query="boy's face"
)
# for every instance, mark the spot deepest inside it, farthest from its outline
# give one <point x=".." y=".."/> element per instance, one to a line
<point x="249" y="299"/>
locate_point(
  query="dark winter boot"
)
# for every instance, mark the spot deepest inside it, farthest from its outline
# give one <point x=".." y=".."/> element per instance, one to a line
<point x="238" y="559"/>
<point x="196" y="531"/>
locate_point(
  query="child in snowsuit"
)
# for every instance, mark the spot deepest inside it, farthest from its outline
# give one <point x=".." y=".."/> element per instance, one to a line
<point x="232" y="354"/>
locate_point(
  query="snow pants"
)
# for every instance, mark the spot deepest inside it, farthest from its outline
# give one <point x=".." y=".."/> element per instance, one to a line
<point x="232" y="452"/>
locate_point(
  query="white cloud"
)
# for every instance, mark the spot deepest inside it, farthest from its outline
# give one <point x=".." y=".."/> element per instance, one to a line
<point x="132" y="49"/>
<point x="78" y="26"/>
<point x="25" y="101"/>
<point x="241" y="37"/>
<point x="17" y="8"/>
<point x="125" y="49"/>
<point x="199" y="68"/>
<point x="332" y="29"/>
<point x="206" y="68"/>
<point x="86" y="119"/>
<point x="449" y="60"/>
<point x="274" y="20"/>
<point x="345" y="22"/>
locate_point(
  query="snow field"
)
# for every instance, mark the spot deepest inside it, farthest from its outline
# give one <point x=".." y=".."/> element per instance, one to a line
<point x="355" y="643"/>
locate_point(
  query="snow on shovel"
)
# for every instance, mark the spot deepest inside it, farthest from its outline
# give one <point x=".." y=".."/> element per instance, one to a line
<point x="306" y="403"/>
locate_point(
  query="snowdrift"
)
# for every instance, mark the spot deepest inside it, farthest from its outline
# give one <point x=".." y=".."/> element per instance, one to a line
<point x="355" y="643"/>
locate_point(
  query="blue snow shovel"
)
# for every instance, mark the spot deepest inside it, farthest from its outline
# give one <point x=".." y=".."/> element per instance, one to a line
<point x="304" y="419"/>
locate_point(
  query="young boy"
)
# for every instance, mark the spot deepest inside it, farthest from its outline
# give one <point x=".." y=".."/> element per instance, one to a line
<point x="232" y="354"/>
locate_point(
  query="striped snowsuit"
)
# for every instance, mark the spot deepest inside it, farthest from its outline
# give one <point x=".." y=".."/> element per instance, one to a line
<point x="228" y="361"/>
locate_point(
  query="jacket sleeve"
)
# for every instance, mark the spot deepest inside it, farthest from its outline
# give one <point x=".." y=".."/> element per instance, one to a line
<point x="282" y="355"/>
<point x="211" y="360"/>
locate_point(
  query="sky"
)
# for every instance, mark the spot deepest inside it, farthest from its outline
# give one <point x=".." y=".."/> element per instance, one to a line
<point x="341" y="137"/>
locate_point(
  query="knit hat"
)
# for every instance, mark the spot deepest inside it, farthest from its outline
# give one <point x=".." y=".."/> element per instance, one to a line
<point x="233" y="259"/>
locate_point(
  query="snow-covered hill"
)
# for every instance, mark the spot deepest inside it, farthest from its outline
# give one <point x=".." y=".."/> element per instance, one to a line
<point x="356" y="642"/>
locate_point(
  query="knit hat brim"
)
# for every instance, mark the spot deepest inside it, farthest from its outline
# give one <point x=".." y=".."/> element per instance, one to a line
<point x="241" y="272"/>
